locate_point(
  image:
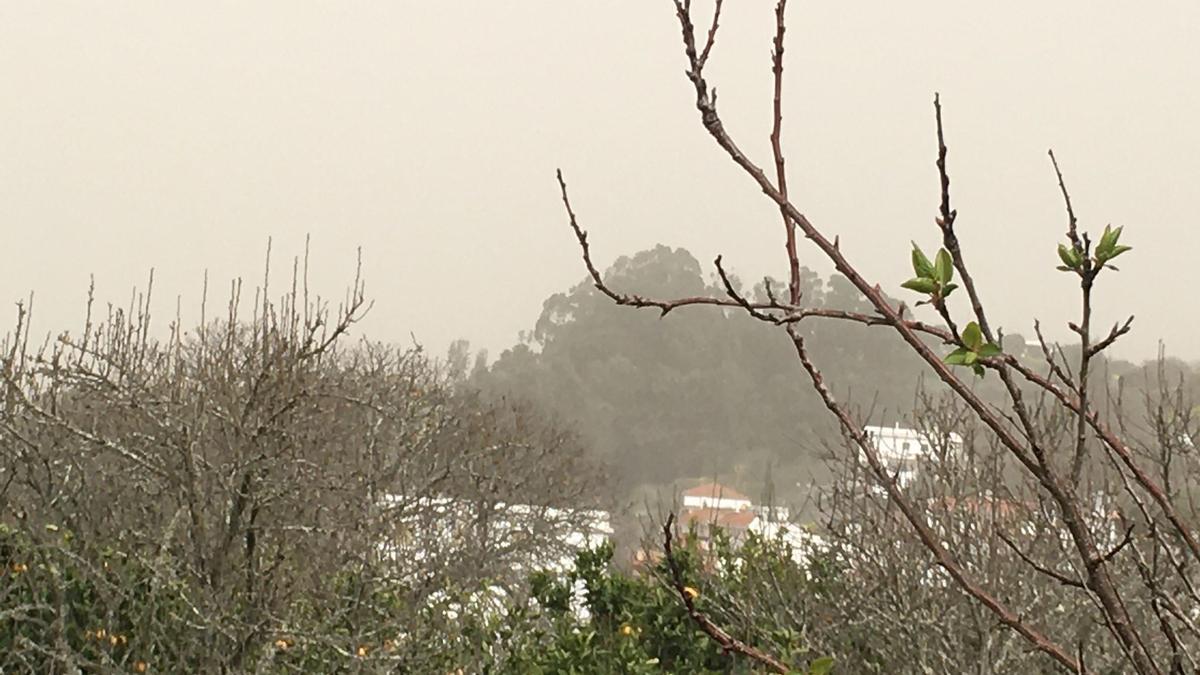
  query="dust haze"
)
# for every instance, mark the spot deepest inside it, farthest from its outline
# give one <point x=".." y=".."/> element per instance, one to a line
<point x="589" y="408"/>
<point x="147" y="135"/>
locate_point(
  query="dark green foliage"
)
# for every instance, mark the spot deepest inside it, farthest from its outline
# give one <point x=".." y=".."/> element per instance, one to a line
<point x="112" y="611"/>
<point x="698" y="392"/>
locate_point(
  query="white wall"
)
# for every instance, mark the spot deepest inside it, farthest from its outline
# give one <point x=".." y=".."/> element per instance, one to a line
<point x="721" y="503"/>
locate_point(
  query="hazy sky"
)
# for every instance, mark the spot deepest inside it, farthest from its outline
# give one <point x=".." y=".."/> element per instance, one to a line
<point x="181" y="136"/>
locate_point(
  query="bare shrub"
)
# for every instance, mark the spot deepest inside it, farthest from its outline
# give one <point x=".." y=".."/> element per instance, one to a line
<point x="259" y="494"/>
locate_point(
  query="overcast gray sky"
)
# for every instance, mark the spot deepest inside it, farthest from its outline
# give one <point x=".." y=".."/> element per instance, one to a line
<point x="180" y="136"/>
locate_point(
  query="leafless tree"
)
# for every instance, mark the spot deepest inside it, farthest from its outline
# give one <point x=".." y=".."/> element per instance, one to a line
<point x="274" y="485"/>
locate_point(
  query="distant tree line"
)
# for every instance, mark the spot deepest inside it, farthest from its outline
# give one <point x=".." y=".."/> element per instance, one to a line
<point x="699" y="393"/>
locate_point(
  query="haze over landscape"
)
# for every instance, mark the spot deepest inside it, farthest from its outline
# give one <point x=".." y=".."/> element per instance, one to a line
<point x="181" y="138"/>
<point x="900" y="424"/>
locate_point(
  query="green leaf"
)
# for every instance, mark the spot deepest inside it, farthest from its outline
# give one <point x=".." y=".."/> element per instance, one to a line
<point x="920" y="285"/>
<point x="989" y="350"/>
<point x="922" y="267"/>
<point x="1116" y="243"/>
<point x="943" y="268"/>
<point x="949" y="288"/>
<point x="1110" y="238"/>
<point x="978" y="370"/>
<point x="957" y="357"/>
<point x="1065" y="254"/>
<point x="1107" y="239"/>
<point x="970" y="358"/>
<point x="821" y="666"/>
<point x="972" y="336"/>
<point x="1108" y="249"/>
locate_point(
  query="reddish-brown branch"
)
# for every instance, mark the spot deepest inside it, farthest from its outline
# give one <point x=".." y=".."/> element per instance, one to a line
<point x="950" y="240"/>
<point x="1087" y="278"/>
<point x="715" y="632"/>
<point x="1033" y="457"/>
<point x="1117" y="331"/>
<point x="1072" y="223"/>
<point x="712" y="32"/>
<point x="1051" y="362"/>
<point x="946" y="222"/>
<point x="791" y="313"/>
<point x="1098" y="577"/>
<point x="947" y="214"/>
<point x="944" y="559"/>
<point x="795" y="314"/>
<point x="1085" y="362"/>
<point x="633" y="300"/>
<point x="1121" y="450"/>
<point x="1057" y="576"/>
<point x="777" y="150"/>
<point x="740" y="299"/>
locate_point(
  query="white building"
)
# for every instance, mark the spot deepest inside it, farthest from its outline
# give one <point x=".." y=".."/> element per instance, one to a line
<point x="434" y="525"/>
<point x="903" y="450"/>
<point x="717" y="497"/>
<point x="802" y="542"/>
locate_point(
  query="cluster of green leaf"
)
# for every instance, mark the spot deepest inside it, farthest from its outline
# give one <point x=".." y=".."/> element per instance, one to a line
<point x="935" y="278"/>
<point x="974" y="347"/>
<point x="1075" y="259"/>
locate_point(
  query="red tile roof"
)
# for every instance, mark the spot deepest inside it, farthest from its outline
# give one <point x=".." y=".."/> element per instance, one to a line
<point x="716" y="491"/>
<point x="724" y="518"/>
<point x="998" y="508"/>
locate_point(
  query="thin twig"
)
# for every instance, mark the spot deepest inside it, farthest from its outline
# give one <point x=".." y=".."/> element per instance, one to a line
<point x="777" y="150"/>
<point x="1057" y="576"/>
<point x="1072" y="223"/>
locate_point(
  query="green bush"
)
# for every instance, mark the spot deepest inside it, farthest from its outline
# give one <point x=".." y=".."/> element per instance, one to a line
<point x="68" y="606"/>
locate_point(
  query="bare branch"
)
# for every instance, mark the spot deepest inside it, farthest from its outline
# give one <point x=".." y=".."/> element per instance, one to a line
<point x="718" y="634"/>
<point x="1072" y="223"/>
<point x="1060" y="578"/>
<point x="777" y="150"/>
<point x="712" y="32"/>
<point x="664" y="306"/>
<point x="1117" y="331"/>
<point x="943" y="557"/>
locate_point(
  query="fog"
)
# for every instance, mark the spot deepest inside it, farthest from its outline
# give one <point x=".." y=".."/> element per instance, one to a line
<point x="153" y="135"/>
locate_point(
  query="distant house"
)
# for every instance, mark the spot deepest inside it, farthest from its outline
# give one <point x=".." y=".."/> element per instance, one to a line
<point x="711" y="507"/>
<point x="734" y="523"/>
<point x="715" y="496"/>
<point x="902" y="450"/>
<point x="802" y="542"/>
<point x="430" y="526"/>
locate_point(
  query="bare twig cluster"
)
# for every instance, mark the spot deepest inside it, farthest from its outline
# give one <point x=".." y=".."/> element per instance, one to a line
<point x="284" y="497"/>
